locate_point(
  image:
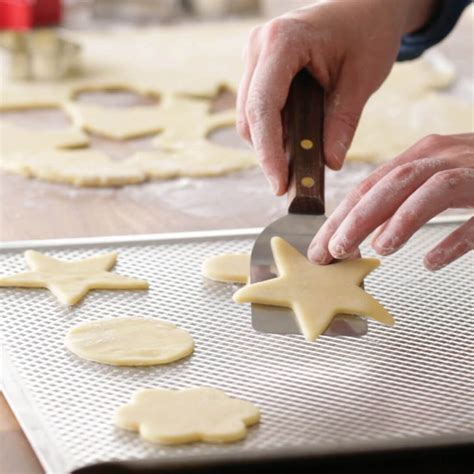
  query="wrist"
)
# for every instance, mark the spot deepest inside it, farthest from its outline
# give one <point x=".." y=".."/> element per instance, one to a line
<point x="418" y="14"/>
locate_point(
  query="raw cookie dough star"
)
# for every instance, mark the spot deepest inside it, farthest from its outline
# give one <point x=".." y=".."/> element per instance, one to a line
<point x="316" y="293"/>
<point x="189" y="415"/>
<point x="70" y="281"/>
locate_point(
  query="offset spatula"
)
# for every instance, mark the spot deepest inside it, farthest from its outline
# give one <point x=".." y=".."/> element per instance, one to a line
<point x="303" y="118"/>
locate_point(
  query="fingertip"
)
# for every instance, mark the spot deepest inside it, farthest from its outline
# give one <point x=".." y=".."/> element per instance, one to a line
<point x="431" y="266"/>
<point x="243" y="129"/>
<point x="432" y="260"/>
<point x="338" y="249"/>
<point x="274" y="184"/>
<point x="333" y="160"/>
<point x="318" y="255"/>
<point x="386" y="244"/>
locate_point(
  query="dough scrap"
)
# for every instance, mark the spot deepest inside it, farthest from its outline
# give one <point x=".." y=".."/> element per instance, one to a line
<point x="129" y="341"/>
<point x="85" y="167"/>
<point x="201" y="158"/>
<point x="182" y="149"/>
<point x="20" y="141"/>
<point x="70" y="281"/>
<point x="89" y="167"/>
<point x="316" y="293"/>
<point x="117" y="123"/>
<point x="390" y="125"/>
<point x="227" y="268"/>
<point x="186" y="416"/>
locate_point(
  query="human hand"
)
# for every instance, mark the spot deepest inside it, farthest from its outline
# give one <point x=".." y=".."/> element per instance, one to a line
<point x="349" y="46"/>
<point x="435" y="174"/>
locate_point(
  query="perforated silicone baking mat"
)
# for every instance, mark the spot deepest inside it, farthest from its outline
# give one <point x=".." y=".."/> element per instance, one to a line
<point x="403" y="385"/>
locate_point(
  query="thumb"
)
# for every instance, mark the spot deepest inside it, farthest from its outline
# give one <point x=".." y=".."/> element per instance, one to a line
<point x="344" y="107"/>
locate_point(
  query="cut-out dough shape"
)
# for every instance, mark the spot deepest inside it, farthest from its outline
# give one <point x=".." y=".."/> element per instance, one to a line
<point x="227" y="268"/>
<point x="70" y="281"/>
<point x="129" y="341"/>
<point x="186" y="416"/>
<point x="315" y="293"/>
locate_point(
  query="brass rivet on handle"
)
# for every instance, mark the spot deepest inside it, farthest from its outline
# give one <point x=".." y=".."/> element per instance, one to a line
<point x="306" y="144"/>
<point x="307" y="182"/>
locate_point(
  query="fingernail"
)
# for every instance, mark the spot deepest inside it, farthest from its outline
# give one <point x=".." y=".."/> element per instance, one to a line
<point x="274" y="184"/>
<point x="433" y="267"/>
<point x="386" y="244"/>
<point x="435" y="260"/>
<point x="341" y="150"/>
<point x="337" y="249"/>
<point x="318" y="254"/>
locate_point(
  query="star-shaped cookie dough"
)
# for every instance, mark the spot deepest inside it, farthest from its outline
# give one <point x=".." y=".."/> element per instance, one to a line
<point x="70" y="281"/>
<point x="189" y="415"/>
<point x="315" y="293"/>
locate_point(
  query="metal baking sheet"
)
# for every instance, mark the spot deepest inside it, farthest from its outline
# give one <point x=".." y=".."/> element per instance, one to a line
<point x="406" y="386"/>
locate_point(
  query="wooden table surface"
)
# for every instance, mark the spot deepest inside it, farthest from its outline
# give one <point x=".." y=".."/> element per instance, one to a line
<point x="31" y="209"/>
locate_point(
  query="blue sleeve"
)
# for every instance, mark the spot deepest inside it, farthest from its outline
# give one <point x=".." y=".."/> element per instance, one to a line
<point x="415" y="44"/>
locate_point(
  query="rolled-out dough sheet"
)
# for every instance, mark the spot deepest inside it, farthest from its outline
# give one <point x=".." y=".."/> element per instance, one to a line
<point x="129" y="341"/>
<point x="315" y="293"/>
<point x="70" y="281"/>
<point x="186" y="416"/>
<point x="227" y="268"/>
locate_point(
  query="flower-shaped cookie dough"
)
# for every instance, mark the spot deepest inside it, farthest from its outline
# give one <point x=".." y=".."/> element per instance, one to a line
<point x="189" y="415"/>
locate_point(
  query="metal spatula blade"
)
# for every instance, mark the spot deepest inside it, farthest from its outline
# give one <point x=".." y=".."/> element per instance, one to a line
<point x="303" y="121"/>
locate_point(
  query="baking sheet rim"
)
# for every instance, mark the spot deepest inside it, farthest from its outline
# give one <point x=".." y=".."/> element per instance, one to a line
<point x="51" y="460"/>
<point x="170" y="237"/>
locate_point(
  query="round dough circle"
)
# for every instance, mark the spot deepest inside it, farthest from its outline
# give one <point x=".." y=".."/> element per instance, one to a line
<point x="227" y="268"/>
<point x="129" y="341"/>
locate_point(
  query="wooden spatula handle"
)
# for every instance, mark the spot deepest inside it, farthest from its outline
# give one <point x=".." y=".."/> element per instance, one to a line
<point x="303" y="117"/>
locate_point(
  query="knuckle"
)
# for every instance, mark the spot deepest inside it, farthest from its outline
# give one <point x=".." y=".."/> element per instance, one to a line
<point x="405" y="171"/>
<point x="276" y="29"/>
<point x="404" y="217"/>
<point x="447" y="178"/>
<point x="436" y="141"/>
<point x="253" y="42"/>
<point x="254" y="34"/>
<point x="243" y="128"/>
<point x="430" y="141"/>
<point x="360" y="190"/>
<point x="255" y="110"/>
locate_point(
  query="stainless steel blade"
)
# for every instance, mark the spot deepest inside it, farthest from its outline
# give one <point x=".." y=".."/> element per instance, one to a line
<point x="298" y="230"/>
